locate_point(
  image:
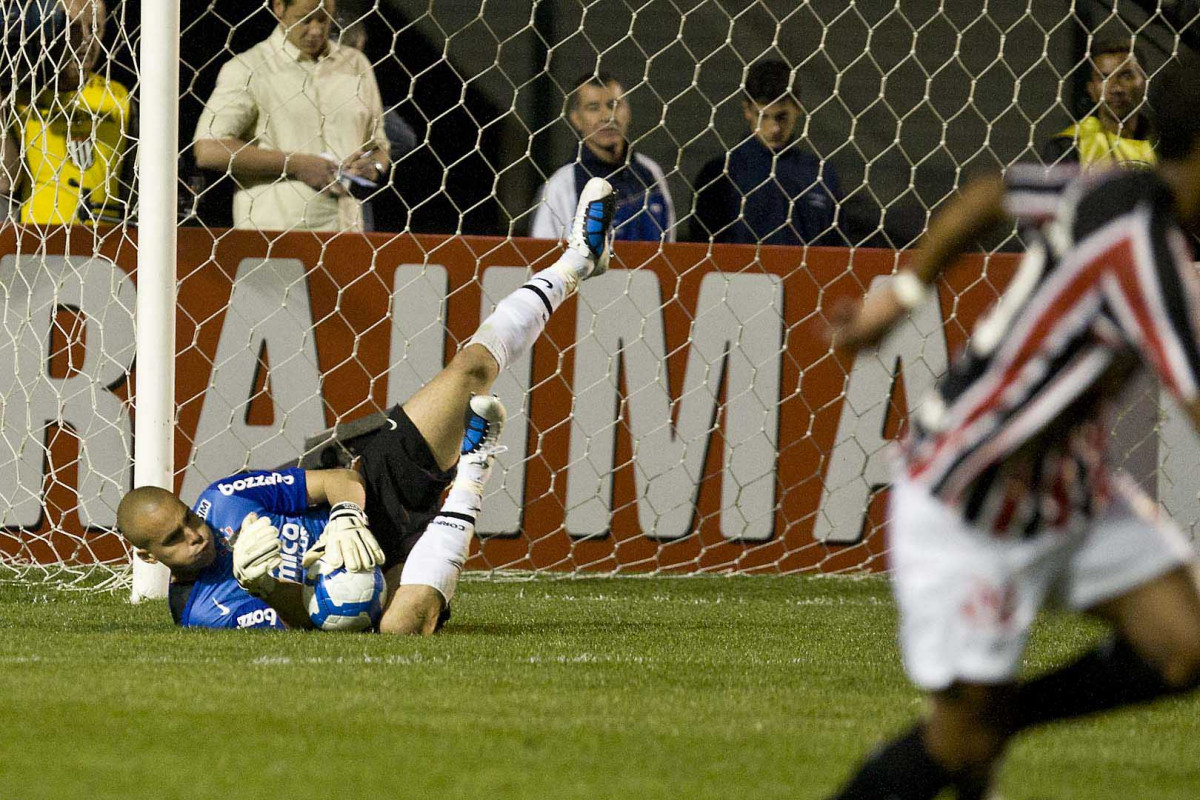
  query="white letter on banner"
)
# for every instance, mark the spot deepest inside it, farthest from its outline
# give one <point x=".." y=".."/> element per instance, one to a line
<point x="737" y="333"/>
<point x="505" y="498"/>
<point x="34" y="288"/>
<point x="270" y="304"/>
<point x="418" y="347"/>
<point x="858" y="464"/>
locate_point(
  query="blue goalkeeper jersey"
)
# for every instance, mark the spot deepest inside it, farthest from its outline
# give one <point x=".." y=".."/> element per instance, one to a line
<point x="216" y="600"/>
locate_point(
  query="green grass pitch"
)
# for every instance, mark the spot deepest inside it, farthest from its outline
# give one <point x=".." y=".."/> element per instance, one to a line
<point x="631" y="688"/>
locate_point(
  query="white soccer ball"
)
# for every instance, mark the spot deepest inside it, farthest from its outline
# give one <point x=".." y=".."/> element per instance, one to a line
<point x="340" y="600"/>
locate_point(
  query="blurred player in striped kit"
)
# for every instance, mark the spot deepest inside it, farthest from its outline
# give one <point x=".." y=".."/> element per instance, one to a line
<point x="1004" y="499"/>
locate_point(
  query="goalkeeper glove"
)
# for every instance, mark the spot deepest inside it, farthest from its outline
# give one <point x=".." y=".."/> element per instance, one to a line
<point x="346" y="540"/>
<point x="256" y="552"/>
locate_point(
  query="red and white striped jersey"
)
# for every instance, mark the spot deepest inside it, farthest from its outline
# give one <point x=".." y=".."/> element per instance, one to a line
<point x="1015" y="433"/>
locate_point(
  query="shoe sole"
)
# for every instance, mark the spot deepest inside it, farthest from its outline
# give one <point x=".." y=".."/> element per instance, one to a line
<point x="480" y="424"/>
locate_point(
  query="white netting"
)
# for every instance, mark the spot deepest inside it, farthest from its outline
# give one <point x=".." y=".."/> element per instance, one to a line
<point x="683" y="414"/>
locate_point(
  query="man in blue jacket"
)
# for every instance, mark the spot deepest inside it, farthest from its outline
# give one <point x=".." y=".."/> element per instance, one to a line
<point x="600" y="114"/>
<point x="768" y="189"/>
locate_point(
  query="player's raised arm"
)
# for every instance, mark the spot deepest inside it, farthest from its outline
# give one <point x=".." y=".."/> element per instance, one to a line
<point x="978" y="209"/>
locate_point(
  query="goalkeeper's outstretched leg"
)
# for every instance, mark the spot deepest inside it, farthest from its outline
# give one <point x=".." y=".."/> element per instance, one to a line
<point x="420" y="589"/>
<point x="430" y="568"/>
<point x="506" y="335"/>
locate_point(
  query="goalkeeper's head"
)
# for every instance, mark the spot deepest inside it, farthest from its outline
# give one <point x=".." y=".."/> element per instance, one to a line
<point x="164" y="530"/>
<point x="1176" y="95"/>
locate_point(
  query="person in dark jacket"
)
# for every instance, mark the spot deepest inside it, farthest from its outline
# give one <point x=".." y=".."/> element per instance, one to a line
<point x="768" y="189"/>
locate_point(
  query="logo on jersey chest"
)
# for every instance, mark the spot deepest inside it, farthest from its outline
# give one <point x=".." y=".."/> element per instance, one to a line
<point x="293" y="545"/>
<point x="82" y="152"/>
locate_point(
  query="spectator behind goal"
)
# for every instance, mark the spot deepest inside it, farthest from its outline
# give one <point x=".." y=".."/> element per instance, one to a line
<point x="65" y="151"/>
<point x="599" y="113"/>
<point x="1118" y="130"/>
<point x="298" y="121"/>
<point x="768" y="189"/>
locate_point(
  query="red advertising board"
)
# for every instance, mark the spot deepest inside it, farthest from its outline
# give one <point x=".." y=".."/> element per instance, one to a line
<point x="349" y="284"/>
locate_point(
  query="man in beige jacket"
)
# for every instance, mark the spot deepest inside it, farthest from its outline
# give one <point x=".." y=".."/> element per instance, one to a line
<point x="297" y="120"/>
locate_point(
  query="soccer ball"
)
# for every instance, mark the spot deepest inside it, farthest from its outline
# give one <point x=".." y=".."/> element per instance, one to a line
<point x="340" y="600"/>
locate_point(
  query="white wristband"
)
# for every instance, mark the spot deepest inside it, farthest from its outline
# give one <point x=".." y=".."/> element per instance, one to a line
<point x="348" y="508"/>
<point x="910" y="290"/>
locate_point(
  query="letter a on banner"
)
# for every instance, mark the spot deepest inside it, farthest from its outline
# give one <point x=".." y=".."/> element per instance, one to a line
<point x="858" y="465"/>
<point x="34" y="288"/>
<point x="270" y="305"/>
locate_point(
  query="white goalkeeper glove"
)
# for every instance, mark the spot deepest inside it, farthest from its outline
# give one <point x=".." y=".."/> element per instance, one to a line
<point x="256" y="552"/>
<point x="346" y="540"/>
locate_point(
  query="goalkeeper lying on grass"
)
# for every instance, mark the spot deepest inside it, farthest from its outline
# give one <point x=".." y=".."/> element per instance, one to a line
<point x="237" y="556"/>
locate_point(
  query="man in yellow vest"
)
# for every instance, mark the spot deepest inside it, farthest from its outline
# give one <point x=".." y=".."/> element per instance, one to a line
<point x="64" y="150"/>
<point x="1118" y="131"/>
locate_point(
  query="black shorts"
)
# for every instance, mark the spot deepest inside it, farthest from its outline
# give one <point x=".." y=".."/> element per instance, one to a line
<point x="404" y="486"/>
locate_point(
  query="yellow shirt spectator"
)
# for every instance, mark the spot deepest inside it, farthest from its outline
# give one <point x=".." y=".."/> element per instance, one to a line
<point x="1117" y="131"/>
<point x="1096" y="146"/>
<point x="73" y="145"/>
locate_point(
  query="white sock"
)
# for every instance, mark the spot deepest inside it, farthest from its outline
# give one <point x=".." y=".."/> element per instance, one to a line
<point x="438" y="557"/>
<point x="520" y="318"/>
<point x="466" y="493"/>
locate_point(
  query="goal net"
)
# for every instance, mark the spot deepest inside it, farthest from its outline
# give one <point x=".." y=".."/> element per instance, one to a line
<point x="684" y="413"/>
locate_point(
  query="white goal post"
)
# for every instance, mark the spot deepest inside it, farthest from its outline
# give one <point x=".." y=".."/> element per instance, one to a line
<point x="154" y="435"/>
<point x="683" y="414"/>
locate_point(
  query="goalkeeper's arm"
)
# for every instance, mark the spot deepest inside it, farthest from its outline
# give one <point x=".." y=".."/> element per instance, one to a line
<point x="288" y="601"/>
<point x="333" y="486"/>
<point x="347" y="539"/>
